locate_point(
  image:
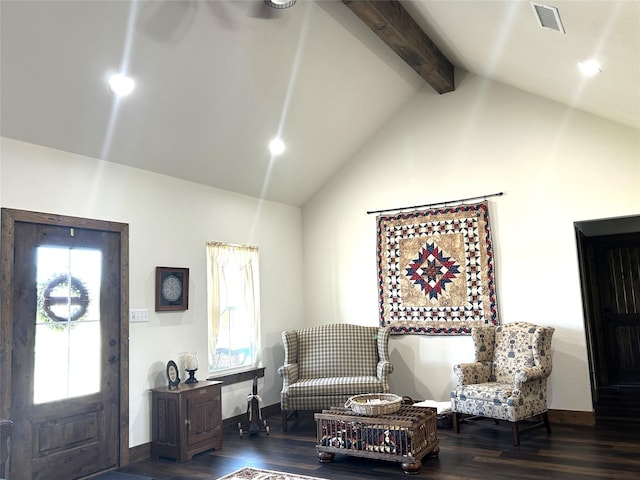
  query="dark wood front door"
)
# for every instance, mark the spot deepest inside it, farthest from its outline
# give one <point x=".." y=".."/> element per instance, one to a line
<point x="611" y="289"/>
<point x="66" y="341"/>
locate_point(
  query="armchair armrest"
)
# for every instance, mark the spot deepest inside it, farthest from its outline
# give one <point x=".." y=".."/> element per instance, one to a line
<point x="527" y="374"/>
<point x="472" y="373"/>
<point x="383" y="370"/>
<point x="289" y="374"/>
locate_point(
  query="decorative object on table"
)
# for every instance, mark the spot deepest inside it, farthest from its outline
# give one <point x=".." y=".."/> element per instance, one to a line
<point x="254" y="423"/>
<point x="248" y="473"/>
<point x="191" y="365"/>
<point x="172" y="374"/>
<point x="508" y="380"/>
<point x="435" y="270"/>
<point x="374" y="403"/>
<point x="172" y="289"/>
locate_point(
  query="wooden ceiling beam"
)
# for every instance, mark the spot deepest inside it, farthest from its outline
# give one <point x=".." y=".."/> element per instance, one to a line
<point x="391" y="22"/>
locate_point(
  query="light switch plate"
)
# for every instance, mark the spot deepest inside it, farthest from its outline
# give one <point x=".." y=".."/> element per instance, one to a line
<point x="138" y="315"/>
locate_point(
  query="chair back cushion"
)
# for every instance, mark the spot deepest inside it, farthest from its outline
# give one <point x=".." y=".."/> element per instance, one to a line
<point x="514" y="350"/>
<point x="337" y="350"/>
<point x="484" y="340"/>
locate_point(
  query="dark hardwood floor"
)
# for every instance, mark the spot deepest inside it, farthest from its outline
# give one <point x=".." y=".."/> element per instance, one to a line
<point x="480" y="451"/>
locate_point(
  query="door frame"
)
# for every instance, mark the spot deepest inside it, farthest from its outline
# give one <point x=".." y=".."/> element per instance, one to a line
<point x="9" y="219"/>
<point x="613" y="228"/>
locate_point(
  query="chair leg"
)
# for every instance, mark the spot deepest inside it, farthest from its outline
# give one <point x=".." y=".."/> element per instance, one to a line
<point x="547" y="425"/>
<point x="284" y="421"/>
<point x="516" y="433"/>
<point x="456" y="422"/>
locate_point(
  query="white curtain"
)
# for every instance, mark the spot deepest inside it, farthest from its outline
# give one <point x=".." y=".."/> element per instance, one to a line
<point x="221" y="257"/>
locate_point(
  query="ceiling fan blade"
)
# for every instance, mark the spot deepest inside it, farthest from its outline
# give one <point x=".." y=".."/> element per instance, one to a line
<point x="218" y="9"/>
<point x="262" y="10"/>
<point x="166" y="22"/>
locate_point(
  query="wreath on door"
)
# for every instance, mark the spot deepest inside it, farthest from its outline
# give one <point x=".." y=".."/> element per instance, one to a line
<point x="64" y="300"/>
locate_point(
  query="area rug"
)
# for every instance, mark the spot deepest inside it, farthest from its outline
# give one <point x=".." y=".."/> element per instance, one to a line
<point x="120" y="476"/>
<point x="436" y="270"/>
<point x="249" y="473"/>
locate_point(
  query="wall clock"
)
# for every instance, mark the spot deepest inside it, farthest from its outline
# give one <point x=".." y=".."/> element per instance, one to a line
<point x="172" y="289"/>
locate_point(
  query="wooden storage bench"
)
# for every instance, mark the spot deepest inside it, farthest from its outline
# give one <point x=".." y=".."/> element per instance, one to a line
<point x="406" y="436"/>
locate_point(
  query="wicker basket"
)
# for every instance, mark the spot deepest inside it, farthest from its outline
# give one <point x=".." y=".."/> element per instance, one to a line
<point x="374" y="403"/>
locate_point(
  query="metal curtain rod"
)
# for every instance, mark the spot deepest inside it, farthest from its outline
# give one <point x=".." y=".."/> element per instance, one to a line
<point x="483" y="197"/>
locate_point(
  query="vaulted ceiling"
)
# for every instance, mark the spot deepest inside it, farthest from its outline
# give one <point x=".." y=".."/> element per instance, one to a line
<point x="216" y="80"/>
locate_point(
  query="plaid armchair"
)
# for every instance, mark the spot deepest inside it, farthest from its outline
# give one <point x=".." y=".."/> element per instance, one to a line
<point x="508" y="381"/>
<point x="327" y="364"/>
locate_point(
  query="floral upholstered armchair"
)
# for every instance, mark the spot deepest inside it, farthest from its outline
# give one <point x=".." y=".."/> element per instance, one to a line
<point x="508" y="380"/>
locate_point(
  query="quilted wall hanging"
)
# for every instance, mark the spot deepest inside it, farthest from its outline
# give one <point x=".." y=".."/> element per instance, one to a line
<point x="436" y="270"/>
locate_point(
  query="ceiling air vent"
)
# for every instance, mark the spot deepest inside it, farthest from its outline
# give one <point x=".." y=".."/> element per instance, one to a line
<point x="548" y="17"/>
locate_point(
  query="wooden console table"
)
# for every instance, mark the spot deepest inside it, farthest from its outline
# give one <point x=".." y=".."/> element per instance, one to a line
<point x="406" y="436"/>
<point x="186" y="420"/>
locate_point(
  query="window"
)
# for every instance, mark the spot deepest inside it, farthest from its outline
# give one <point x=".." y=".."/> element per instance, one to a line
<point x="233" y="295"/>
<point x="67" y="323"/>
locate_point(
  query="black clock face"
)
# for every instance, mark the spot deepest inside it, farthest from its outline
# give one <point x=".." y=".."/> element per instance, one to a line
<point x="171" y="288"/>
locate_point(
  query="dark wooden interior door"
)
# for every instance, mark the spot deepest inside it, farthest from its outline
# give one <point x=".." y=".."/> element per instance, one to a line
<point x="618" y="261"/>
<point x="612" y="278"/>
<point x="65" y="399"/>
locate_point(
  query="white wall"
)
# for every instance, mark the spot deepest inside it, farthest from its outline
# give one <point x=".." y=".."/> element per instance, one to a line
<point x="555" y="166"/>
<point x="170" y="221"/>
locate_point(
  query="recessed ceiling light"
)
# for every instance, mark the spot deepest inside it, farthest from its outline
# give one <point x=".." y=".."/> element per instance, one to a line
<point x="121" y="85"/>
<point x="589" y="68"/>
<point x="276" y="146"/>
